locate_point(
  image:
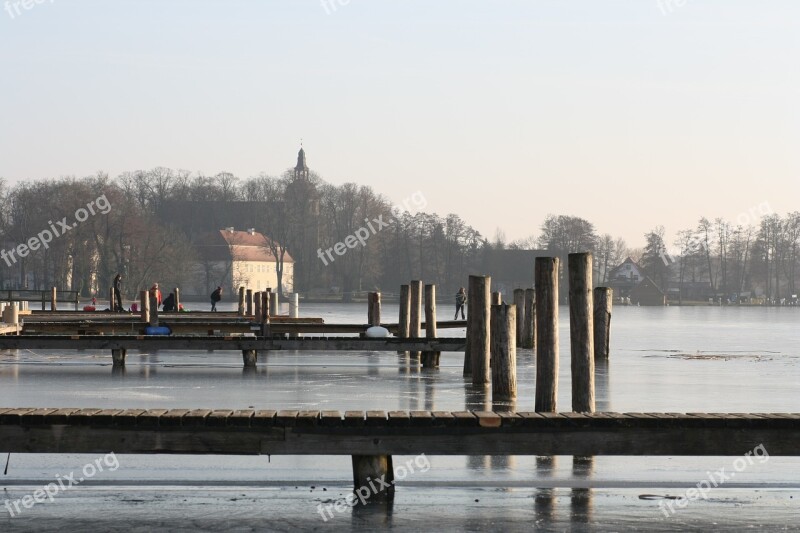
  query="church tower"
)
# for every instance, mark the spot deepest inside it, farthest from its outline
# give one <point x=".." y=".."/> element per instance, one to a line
<point x="301" y="169"/>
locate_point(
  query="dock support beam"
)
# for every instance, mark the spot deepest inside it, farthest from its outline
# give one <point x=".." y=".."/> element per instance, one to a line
<point x="249" y="357"/>
<point x="367" y="470"/>
<point x="546" y="274"/>
<point x="118" y="357"/>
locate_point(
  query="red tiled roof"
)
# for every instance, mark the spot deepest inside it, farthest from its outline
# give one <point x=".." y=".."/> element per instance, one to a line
<point x="224" y="245"/>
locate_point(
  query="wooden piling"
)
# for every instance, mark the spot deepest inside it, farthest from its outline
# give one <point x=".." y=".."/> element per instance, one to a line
<point x="249" y="302"/>
<point x="367" y="469"/>
<point x="404" y="322"/>
<point x="274" y="303"/>
<point x="118" y="357"/>
<point x="415" y="325"/>
<point x="112" y="302"/>
<point x="603" y="298"/>
<point x="519" y="303"/>
<point x="430" y="359"/>
<point x="529" y="326"/>
<point x="257" y="306"/>
<point x="504" y="352"/>
<point x="241" y="309"/>
<point x="294" y="306"/>
<point x="177" y="293"/>
<point x="144" y="303"/>
<point x="374" y="309"/>
<point x="264" y="318"/>
<point x="249" y="358"/>
<point x="479" y="328"/>
<point x="497" y="298"/>
<point x="53" y="299"/>
<point x="546" y="286"/>
<point x="581" y="332"/>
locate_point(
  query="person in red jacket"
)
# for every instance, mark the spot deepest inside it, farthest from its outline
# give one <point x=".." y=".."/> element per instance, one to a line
<point x="155" y="290"/>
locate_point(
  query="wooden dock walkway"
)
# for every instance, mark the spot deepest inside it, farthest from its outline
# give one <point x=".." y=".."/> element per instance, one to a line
<point x="291" y="432"/>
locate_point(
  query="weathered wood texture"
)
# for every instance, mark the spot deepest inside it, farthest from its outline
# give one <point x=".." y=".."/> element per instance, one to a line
<point x="416" y="309"/>
<point x="274" y="302"/>
<point x="529" y="327"/>
<point x="497" y="298"/>
<point x="519" y="303"/>
<point x="430" y="359"/>
<point x="154" y="307"/>
<point x="546" y="286"/>
<point x="374" y="309"/>
<point x="242" y="303"/>
<point x="144" y="302"/>
<point x="404" y="327"/>
<point x="245" y="432"/>
<point x="603" y="299"/>
<point x="369" y="468"/>
<point x="581" y="331"/>
<point x="177" y="292"/>
<point x="479" y="332"/>
<point x="54" y="299"/>
<point x="504" y="352"/>
<point x="249" y="302"/>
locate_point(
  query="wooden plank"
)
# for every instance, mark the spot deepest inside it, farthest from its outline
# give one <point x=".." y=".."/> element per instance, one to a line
<point x="36" y="417"/>
<point x="264" y="418"/>
<point x="240" y="418"/>
<point x="59" y="416"/>
<point x="150" y="418"/>
<point x="330" y="418"/>
<point x="376" y="418"/>
<point x="83" y="416"/>
<point x="287" y="417"/>
<point x="128" y="417"/>
<point x="354" y="418"/>
<point x="172" y="418"/>
<point x="399" y="418"/>
<point x="464" y="418"/>
<point x="14" y="416"/>
<point x="218" y="418"/>
<point x="488" y="419"/>
<point x="421" y="418"/>
<point x="104" y="417"/>
<point x="308" y="418"/>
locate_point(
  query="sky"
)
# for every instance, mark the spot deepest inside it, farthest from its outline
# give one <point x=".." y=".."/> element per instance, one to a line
<point x="629" y="113"/>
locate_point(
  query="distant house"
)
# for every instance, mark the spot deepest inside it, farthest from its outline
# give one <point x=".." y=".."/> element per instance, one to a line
<point x="625" y="277"/>
<point x="232" y="259"/>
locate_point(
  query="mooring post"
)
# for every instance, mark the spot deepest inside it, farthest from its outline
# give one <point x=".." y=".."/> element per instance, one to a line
<point x="257" y="303"/>
<point x="241" y="309"/>
<point x="249" y="302"/>
<point x="118" y="357"/>
<point x="112" y="302"/>
<point x="264" y="318"/>
<point x="581" y="332"/>
<point x="529" y="326"/>
<point x="294" y="306"/>
<point x="519" y="303"/>
<point x="177" y="293"/>
<point x="144" y="302"/>
<point x="154" y="307"/>
<point x="479" y="328"/>
<point x="367" y="470"/>
<point x="53" y="299"/>
<point x="430" y="359"/>
<point x="468" y="348"/>
<point x="504" y="352"/>
<point x="546" y="276"/>
<point x="374" y="309"/>
<point x="602" y="321"/>
<point x="415" y="318"/>
<point x="497" y="298"/>
<point x="404" y="322"/>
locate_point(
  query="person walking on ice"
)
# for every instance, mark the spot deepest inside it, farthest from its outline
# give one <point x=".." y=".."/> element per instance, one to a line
<point x="461" y="300"/>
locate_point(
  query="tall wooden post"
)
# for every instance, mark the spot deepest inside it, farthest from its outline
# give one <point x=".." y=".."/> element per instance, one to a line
<point x="258" y="301"/>
<point x="177" y="293"/>
<point x="602" y="321"/>
<point x="144" y="302"/>
<point x="546" y="281"/>
<point x="581" y="332"/>
<point x="468" y="348"/>
<point x="519" y="303"/>
<point x="249" y="302"/>
<point x="504" y="352"/>
<point x="430" y="359"/>
<point x="274" y="302"/>
<point x="497" y="298"/>
<point x="479" y="328"/>
<point x="112" y="302"/>
<point x="241" y="309"/>
<point x="53" y="299"/>
<point x="294" y="305"/>
<point x="374" y="312"/>
<point x="366" y="470"/>
<point x="416" y="303"/>
<point x="404" y="320"/>
<point x="529" y="326"/>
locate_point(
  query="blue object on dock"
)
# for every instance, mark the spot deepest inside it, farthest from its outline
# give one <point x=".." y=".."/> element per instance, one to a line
<point x="157" y="330"/>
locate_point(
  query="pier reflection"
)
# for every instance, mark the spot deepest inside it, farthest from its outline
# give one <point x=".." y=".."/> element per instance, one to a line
<point x="602" y="386"/>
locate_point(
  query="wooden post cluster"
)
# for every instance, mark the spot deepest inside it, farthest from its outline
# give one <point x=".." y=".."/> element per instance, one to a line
<point x="602" y="321"/>
<point x="546" y="286"/>
<point x="529" y="323"/>
<point x="430" y="359"/>
<point x="581" y="332"/>
<point x="478" y="332"/>
<point x="374" y="309"/>
<point x="504" y="352"/>
<point x="241" y="308"/>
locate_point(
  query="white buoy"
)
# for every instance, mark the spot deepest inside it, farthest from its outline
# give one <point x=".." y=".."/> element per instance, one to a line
<point x="377" y="332"/>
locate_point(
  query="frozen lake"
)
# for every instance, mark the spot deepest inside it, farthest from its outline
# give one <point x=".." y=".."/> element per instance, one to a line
<point x="691" y="359"/>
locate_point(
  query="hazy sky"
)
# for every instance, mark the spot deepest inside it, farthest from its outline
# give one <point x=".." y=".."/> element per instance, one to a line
<point x="628" y="113"/>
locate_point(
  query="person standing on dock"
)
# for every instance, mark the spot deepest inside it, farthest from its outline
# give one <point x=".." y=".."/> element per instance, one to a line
<point x="169" y="303"/>
<point x="215" y="297"/>
<point x="461" y="300"/>
<point x="118" y="293"/>
<point x="157" y="294"/>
